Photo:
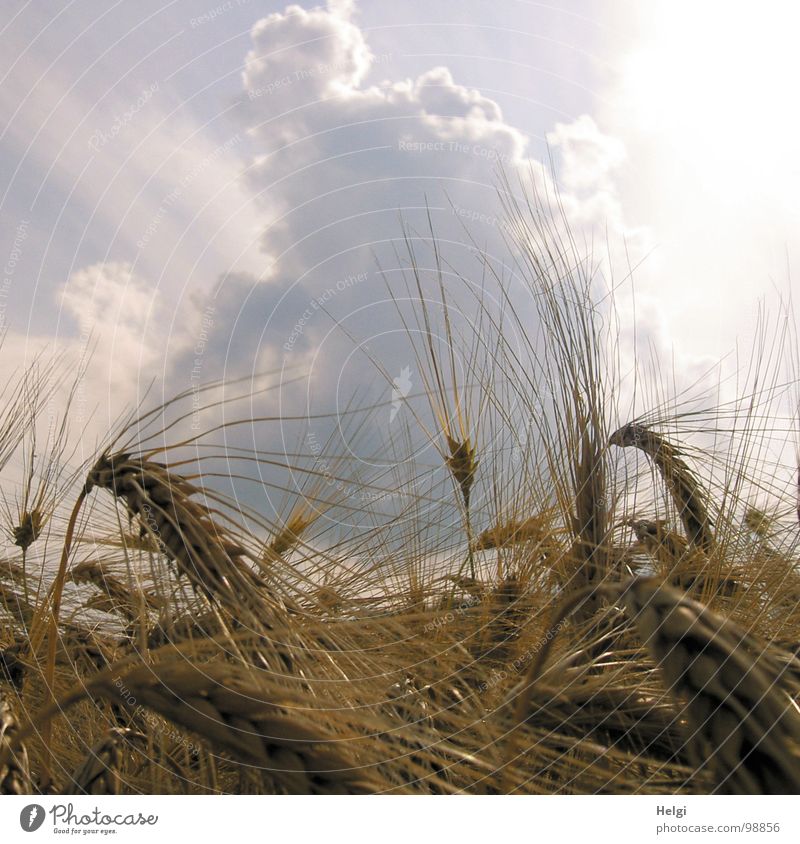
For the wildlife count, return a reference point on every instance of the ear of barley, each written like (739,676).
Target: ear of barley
(15,777)
(743,722)
(590,520)
(29,529)
(201,549)
(758,522)
(99,772)
(463,465)
(686,491)
(128,601)
(512,532)
(289,535)
(232,712)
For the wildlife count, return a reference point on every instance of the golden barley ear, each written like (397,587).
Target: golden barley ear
(230,710)
(289,535)
(15,776)
(686,491)
(201,549)
(744,724)
(463,465)
(99,773)
(29,529)
(116,596)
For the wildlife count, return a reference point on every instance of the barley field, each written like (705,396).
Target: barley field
(539,592)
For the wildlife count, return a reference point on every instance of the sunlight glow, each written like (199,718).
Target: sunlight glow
(718,81)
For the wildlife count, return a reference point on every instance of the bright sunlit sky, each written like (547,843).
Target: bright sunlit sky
(192,174)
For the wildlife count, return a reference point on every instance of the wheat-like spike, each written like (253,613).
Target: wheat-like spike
(229,710)
(512,532)
(758,522)
(201,549)
(507,618)
(684,567)
(590,520)
(15,777)
(97,574)
(462,464)
(685,489)
(28,529)
(99,772)
(289,535)
(744,723)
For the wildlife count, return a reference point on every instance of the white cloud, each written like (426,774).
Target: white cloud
(340,155)
(335,154)
(120,334)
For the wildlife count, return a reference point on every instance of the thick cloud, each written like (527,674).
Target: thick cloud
(327,165)
(342,157)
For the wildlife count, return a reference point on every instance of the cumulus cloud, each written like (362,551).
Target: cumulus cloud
(300,205)
(120,339)
(341,154)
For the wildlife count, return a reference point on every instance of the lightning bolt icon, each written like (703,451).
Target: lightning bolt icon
(34,813)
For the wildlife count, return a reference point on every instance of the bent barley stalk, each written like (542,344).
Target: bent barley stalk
(686,491)
(736,693)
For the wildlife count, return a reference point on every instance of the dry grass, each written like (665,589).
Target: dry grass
(395,632)
(15,775)
(742,719)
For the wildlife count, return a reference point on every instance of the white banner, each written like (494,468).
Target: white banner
(352,820)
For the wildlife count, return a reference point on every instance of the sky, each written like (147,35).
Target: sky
(194,190)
